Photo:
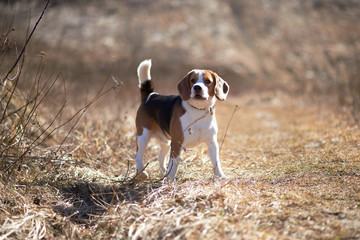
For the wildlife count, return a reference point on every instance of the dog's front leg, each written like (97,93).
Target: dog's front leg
(213,148)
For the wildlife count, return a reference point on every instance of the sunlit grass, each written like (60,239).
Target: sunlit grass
(293,173)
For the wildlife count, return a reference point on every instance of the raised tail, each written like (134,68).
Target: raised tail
(145,84)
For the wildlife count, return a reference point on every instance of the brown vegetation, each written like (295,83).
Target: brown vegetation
(291,150)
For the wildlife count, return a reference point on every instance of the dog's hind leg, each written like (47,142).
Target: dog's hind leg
(142,142)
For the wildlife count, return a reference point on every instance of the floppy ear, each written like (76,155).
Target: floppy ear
(184,87)
(221,88)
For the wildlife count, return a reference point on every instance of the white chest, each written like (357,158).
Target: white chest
(198,126)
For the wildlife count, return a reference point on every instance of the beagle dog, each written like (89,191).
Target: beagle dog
(179,121)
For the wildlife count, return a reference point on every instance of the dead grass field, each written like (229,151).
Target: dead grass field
(293,167)
(291,151)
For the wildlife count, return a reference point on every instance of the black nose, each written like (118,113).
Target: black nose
(197,88)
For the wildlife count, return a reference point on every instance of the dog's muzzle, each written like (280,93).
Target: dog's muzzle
(198,92)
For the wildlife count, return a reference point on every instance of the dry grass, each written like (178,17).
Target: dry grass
(293,166)
(293,161)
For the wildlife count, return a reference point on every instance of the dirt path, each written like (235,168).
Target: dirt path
(282,136)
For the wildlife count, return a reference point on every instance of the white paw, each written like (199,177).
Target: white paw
(142,176)
(220,175)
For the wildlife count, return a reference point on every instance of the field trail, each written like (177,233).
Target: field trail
(282,135)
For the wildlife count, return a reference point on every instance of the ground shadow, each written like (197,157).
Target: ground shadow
(85,199)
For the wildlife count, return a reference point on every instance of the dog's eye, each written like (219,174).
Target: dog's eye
(193,80)
(207,81)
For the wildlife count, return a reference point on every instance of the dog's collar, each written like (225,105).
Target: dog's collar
(208,109)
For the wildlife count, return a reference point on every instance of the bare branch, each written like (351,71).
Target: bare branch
(26,43)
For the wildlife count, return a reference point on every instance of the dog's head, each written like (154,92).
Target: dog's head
(202,87)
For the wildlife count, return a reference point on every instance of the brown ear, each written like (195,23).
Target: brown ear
(184,87)
(221,88)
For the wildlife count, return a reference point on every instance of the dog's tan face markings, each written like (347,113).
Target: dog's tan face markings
(201,88)
(198,78)
(209,81)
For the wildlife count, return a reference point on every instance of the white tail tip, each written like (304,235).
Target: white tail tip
(143,71)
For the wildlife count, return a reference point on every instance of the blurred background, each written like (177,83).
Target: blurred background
(309,47)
